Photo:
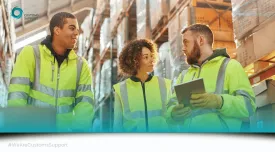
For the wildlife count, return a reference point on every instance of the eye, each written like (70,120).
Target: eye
(72,28)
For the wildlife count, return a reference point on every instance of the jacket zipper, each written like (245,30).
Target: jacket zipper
(56,91)
(52,70)
(145,106)
(201,68)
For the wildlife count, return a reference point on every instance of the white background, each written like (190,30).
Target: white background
(142,142)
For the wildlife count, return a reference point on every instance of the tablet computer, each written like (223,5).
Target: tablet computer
(184,90)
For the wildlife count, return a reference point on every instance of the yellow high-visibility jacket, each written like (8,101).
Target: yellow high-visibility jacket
(37,80)
(227,78)
(141,107)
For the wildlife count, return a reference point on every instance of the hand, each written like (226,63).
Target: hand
(179,112)
(206,100)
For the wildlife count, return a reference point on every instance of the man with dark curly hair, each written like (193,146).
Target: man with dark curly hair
(140,101)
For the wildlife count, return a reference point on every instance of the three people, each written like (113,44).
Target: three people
(140,101)
(51,75)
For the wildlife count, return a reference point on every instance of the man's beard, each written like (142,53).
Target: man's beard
(195,54)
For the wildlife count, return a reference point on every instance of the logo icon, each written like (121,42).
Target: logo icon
(17,9)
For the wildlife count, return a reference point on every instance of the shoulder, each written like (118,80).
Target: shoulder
(167,81)
(28,49)
(233,64)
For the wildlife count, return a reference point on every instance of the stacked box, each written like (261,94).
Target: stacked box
(230,47)
(245,52)
(264,41)
(245,17)
(258,45)
(217,2)
(143,25)
(158,9)
(266,9)
(220,25)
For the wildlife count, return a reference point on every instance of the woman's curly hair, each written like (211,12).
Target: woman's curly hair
(130,56)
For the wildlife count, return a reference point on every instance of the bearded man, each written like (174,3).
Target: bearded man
(229,100)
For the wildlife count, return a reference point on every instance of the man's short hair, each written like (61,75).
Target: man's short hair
(201,29)
(59,20)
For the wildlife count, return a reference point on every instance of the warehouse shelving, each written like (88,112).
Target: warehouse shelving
(264,72)
(160,33)
(108,53)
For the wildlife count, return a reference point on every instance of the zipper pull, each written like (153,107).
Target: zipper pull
(52,71)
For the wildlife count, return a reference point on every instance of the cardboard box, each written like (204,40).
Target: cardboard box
(264,92)
(264,41)
(245,18)
(266,8)
(230,47)
(245,52)
(216,2)
(220,25)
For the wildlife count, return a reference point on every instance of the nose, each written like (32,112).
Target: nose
(76,32)
(183,48)
(151,60)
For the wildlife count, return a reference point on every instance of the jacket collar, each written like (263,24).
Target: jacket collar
(135,79)
(216,55)
(47,45)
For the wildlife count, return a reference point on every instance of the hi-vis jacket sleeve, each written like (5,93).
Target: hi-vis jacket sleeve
(172,102)
(22,77)
(84,109)
(240,100)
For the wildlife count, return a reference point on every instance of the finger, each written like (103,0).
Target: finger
(201,105)
(183,111)
(197,101)
(183,115)
(178,107)
(196,96)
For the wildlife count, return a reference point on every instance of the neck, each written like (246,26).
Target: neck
(143,76)
(205,54)
(58,48)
